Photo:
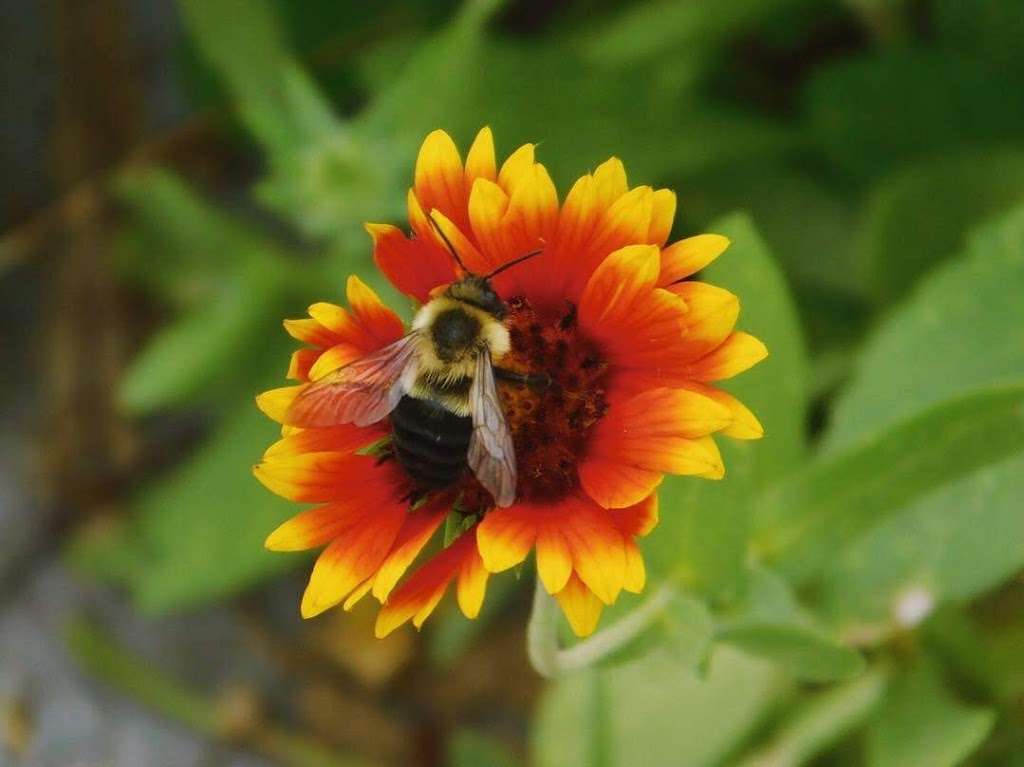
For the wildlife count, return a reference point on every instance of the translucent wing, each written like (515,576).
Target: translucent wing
(491,454)
(361,392)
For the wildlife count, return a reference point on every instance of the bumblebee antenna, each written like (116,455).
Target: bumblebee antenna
(513,262)
(448,243)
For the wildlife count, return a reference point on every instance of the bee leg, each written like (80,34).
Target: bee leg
(536,381)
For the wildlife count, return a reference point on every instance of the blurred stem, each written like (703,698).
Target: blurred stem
(822,721)
(550,661)
(102,657)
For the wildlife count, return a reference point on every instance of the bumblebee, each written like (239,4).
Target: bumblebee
(437,383)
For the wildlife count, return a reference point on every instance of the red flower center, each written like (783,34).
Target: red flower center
(551,425)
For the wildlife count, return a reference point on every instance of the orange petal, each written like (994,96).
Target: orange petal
(418,529)
(505,537)
(439,178)
(744,423)
(636,573)
(711,316)
(663,212)
(275,403)
(474,260)
(379,325)
(311,332)
(334,358)
(689,256)
(597,546)
(514,167)
(415,267)
(554,558)
(352,559)
(321,477)
(480,162)
(302,360)
(622,281)
(314,527)
(655,431)
(488,204)
(610,181)
(357,594)
(530,224)
(739,352)
(582,609)
(417,597)
(638,519)
(339,439)
(716,467)
(471,586)
(613,484)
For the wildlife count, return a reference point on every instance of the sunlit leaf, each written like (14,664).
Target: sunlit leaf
(654,712)
(809,517)
(963,328)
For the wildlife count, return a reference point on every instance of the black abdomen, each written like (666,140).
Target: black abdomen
(430,442)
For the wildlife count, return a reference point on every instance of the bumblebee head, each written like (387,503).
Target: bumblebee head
(477,291)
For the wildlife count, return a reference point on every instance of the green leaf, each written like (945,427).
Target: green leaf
(952,545)
(809,655)
(207,350)
(859,108)
(682,630)
(472,749)
(819,722)
(197,536)
(184,246)
(703,533)
(769,623)
(276,99)
(809,517)
(921,725)
(923,213)
(665,27)
(990,30)
(963,328)
(654,712)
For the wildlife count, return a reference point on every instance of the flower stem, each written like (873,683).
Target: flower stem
(550,661)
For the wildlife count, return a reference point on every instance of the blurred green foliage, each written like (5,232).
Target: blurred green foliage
(830,596)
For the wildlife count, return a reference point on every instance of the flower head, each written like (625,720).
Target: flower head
(630,349)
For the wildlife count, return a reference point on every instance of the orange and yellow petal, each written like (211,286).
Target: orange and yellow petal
(745,424)
(652,433)
(417,531)
(328,476)
(300,363)
(333,358)
(480,159)
(275,403)
(710,318)
(572,535)
(506,536)
(639,519)
(419,595)
(581,607)
(415,266)
(353,557)
(439,179)
(635,573)
(739,352)
(688,256)
(346,438)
